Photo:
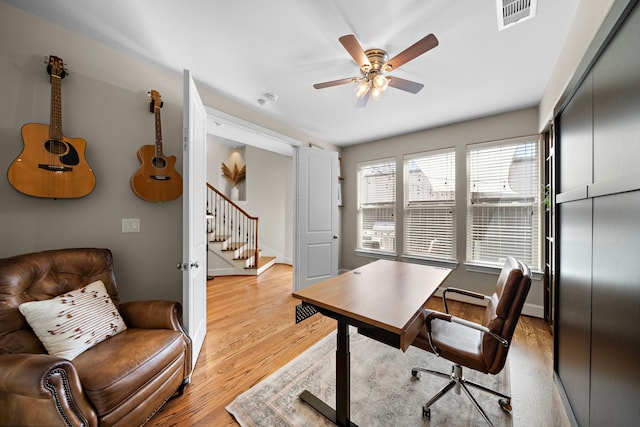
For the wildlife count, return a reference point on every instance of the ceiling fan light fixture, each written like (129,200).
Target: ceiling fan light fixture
(380,82)
(361,88)
(374,64)
(375,92)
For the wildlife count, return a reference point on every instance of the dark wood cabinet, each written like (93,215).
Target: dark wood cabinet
(597,339)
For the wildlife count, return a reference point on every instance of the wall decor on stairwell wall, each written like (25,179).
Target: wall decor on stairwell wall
(157,179)
(52,165)
(234,175)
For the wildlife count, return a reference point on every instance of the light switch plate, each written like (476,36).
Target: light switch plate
(130,225)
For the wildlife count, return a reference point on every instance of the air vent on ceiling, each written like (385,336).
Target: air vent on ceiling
(514,11)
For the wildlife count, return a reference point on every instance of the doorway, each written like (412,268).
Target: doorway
(270,192)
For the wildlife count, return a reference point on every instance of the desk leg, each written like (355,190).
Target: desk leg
(343,380)
(341,414)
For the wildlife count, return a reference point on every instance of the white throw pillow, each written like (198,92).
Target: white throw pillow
(70,324)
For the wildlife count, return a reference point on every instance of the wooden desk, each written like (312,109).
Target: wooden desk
(384,300)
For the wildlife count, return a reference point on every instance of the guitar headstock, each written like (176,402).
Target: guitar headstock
(154,100)
(55,67)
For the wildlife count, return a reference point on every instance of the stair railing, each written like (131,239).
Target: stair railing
(226,221)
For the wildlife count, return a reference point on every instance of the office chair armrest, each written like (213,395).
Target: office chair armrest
(462,292)
(430,315)
(481,328)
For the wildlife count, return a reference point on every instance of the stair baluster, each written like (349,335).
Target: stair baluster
(226,221)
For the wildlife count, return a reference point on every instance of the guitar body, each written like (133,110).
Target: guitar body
(51,167)
(157,179)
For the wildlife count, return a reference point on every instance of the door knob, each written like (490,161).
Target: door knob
(335,237)
(184,266)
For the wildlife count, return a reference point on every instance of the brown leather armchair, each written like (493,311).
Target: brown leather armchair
(479,346)
(122,380)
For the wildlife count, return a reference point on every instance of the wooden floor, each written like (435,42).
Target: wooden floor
(251,332)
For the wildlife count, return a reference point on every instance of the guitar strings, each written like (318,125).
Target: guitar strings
(55,131)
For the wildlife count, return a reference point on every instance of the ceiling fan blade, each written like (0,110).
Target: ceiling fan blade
(352,46)
(418,48)
(334,83)
(362,102)
(406,85)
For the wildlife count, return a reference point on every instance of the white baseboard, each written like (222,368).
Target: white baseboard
(213,272)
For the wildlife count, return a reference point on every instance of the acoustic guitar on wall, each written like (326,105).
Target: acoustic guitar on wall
(157,179)
(52,165)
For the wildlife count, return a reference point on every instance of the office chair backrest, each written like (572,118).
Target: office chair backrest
(503,311)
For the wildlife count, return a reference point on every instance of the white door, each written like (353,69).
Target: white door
(194,206)
(316,212)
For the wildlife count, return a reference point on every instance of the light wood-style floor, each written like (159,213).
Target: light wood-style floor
(252,332)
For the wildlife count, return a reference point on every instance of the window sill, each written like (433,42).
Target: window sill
(373,254)
(452,264)
(406,258)
(489,269)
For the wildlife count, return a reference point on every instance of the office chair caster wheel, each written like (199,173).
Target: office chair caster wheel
(426,412)
(415,373)
(505,405)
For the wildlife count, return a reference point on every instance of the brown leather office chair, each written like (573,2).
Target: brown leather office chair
(480,346)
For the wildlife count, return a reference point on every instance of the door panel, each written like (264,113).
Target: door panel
(316,211)
(574,305)
(576,141)
(194,245)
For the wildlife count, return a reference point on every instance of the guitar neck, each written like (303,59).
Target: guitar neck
(55,126)
(158,132)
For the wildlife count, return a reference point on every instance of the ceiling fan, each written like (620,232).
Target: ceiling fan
(375,64)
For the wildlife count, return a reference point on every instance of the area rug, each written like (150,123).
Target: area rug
(383,392)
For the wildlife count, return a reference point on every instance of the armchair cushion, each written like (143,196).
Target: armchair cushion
(128,361)
(75,321)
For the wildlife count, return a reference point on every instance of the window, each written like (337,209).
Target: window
(503,208)
(377,206)
(429,208)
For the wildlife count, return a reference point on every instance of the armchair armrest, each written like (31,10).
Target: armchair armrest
(38,377)
(155,314)
(462,292)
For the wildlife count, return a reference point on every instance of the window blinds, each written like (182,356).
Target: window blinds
(503,209)
(429,209)
(377,205)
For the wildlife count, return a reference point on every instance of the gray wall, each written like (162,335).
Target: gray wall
(270,198)
(504,126)
(104,101)
(115,121)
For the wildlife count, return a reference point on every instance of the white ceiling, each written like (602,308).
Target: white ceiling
(246,48)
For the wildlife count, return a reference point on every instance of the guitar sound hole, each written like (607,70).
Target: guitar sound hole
(159,162)
(56,147)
